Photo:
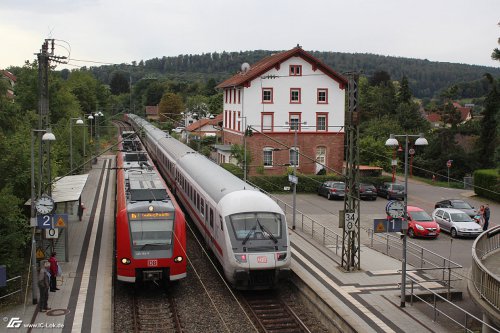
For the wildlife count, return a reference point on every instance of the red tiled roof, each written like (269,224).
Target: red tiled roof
(217,119)
(268,63)
(197,125)
(433,117)
(9,75)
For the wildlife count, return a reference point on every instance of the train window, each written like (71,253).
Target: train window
(197,201)
(221,223)
(211,218)
(202,207)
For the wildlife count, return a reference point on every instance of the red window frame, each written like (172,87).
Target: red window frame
(262,121)
(326,95)
(229,116)
(293,70)
(320,114)
(300,95)
(272,96)
(234,120)
(290,114)
(239,121)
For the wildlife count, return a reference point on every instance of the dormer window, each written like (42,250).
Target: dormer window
(295,70)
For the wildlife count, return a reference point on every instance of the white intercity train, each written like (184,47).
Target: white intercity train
(245,229)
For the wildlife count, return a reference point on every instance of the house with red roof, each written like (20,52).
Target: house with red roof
(152,112)
(289,99)
(11,79)
(465,115)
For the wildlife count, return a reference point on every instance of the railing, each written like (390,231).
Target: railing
(467,316)
(485,282)
(422,257)
(10,290)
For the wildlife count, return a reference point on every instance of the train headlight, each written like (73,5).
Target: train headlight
(125,261)
(281,256)
(178,259)
(241,258)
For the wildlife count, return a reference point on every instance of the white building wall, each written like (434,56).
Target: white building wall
(309,82)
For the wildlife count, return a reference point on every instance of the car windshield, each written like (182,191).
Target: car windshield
(368,187)
(398,187)
(461,205)
(460,217)
(421,216)
(339,186)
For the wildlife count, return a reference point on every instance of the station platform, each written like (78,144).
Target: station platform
(83,302)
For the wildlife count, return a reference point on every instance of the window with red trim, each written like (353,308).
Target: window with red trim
(321,121)
(226,93)
(295,96)
(322,96)
(267,121)
(294,121)
(295,70)
(267,95)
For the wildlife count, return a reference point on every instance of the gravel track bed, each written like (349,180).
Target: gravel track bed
(219,312)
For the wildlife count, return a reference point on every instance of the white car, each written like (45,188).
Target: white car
(456,222)
(179,129)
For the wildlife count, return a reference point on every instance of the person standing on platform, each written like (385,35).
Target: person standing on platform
(486,217)
(54,268)
(43,285)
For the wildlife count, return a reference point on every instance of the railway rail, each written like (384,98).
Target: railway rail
(155,312)
(272,314)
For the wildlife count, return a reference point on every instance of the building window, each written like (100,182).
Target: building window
(267,157)
(321,155)
(267,95)
(267,121)
(295,95)
(239,96)
(321,122)
(295,70)
(294,156)
(322,96)
(226,92)
(294,121)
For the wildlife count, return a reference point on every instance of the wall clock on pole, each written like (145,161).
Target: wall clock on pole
(44,205)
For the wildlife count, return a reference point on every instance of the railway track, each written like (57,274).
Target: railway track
(272,314)
(155,312)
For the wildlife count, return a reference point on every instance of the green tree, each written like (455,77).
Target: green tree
(404,93)
(488,139)
(198,104)
(119,83)
(496,52)
(238,152)
(215,104)
(171,106)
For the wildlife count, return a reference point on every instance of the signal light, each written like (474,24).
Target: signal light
(178,259)
(241,258)
(125,261)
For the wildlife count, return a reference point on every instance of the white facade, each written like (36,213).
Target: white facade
(248,101)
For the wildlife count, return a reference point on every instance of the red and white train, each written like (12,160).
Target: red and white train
(246,230)
(150,226)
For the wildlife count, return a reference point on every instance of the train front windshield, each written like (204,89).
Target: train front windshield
(254,226)
(152,238)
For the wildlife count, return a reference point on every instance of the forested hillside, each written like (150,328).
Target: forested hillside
(426,78)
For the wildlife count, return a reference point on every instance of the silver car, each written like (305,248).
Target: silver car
(456,222)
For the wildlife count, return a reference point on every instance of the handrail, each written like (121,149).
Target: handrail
(486,283)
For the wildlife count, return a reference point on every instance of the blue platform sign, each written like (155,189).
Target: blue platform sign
(3,276)
(384,225)
(52,221)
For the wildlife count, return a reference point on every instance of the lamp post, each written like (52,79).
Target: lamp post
(48,136)
(91,141)
(294,179)
(79,121)
(393,142)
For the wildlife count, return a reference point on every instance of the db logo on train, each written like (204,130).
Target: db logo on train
(152,263)
(262,260)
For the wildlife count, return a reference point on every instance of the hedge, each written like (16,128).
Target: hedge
(487,184)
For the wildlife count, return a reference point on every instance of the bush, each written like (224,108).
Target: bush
(487,184)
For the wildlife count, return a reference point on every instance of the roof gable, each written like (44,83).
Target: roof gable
(266,64)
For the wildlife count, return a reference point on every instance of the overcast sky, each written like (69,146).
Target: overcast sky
(459,31)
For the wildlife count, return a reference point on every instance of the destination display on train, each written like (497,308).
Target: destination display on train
(148,216)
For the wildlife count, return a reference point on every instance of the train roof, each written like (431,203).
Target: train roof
(214,179)
(146,186)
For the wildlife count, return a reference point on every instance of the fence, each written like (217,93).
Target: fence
(10,289)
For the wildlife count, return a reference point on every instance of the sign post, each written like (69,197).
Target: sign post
(448,165)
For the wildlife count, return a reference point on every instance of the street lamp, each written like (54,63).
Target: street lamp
(79,121)
(47,136)
(294,179)
(393,142)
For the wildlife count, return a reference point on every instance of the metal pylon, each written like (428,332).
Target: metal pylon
(350,236)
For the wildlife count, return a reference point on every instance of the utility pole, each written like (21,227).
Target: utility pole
(349,217)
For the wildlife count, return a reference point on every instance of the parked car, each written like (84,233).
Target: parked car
(456,222)
(391,191)
(367,191)
(421,224)
(332,190)
(179,129)
(459,204)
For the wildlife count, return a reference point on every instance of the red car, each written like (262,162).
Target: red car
(421,224)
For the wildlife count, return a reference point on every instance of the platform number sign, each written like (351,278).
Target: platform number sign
(350,221)
(44,221)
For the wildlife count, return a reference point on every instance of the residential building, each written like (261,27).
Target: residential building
(152,112)
(287,94)
(11,81)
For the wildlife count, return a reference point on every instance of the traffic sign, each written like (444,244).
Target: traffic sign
(448,163)
(293,179)
(60,220)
